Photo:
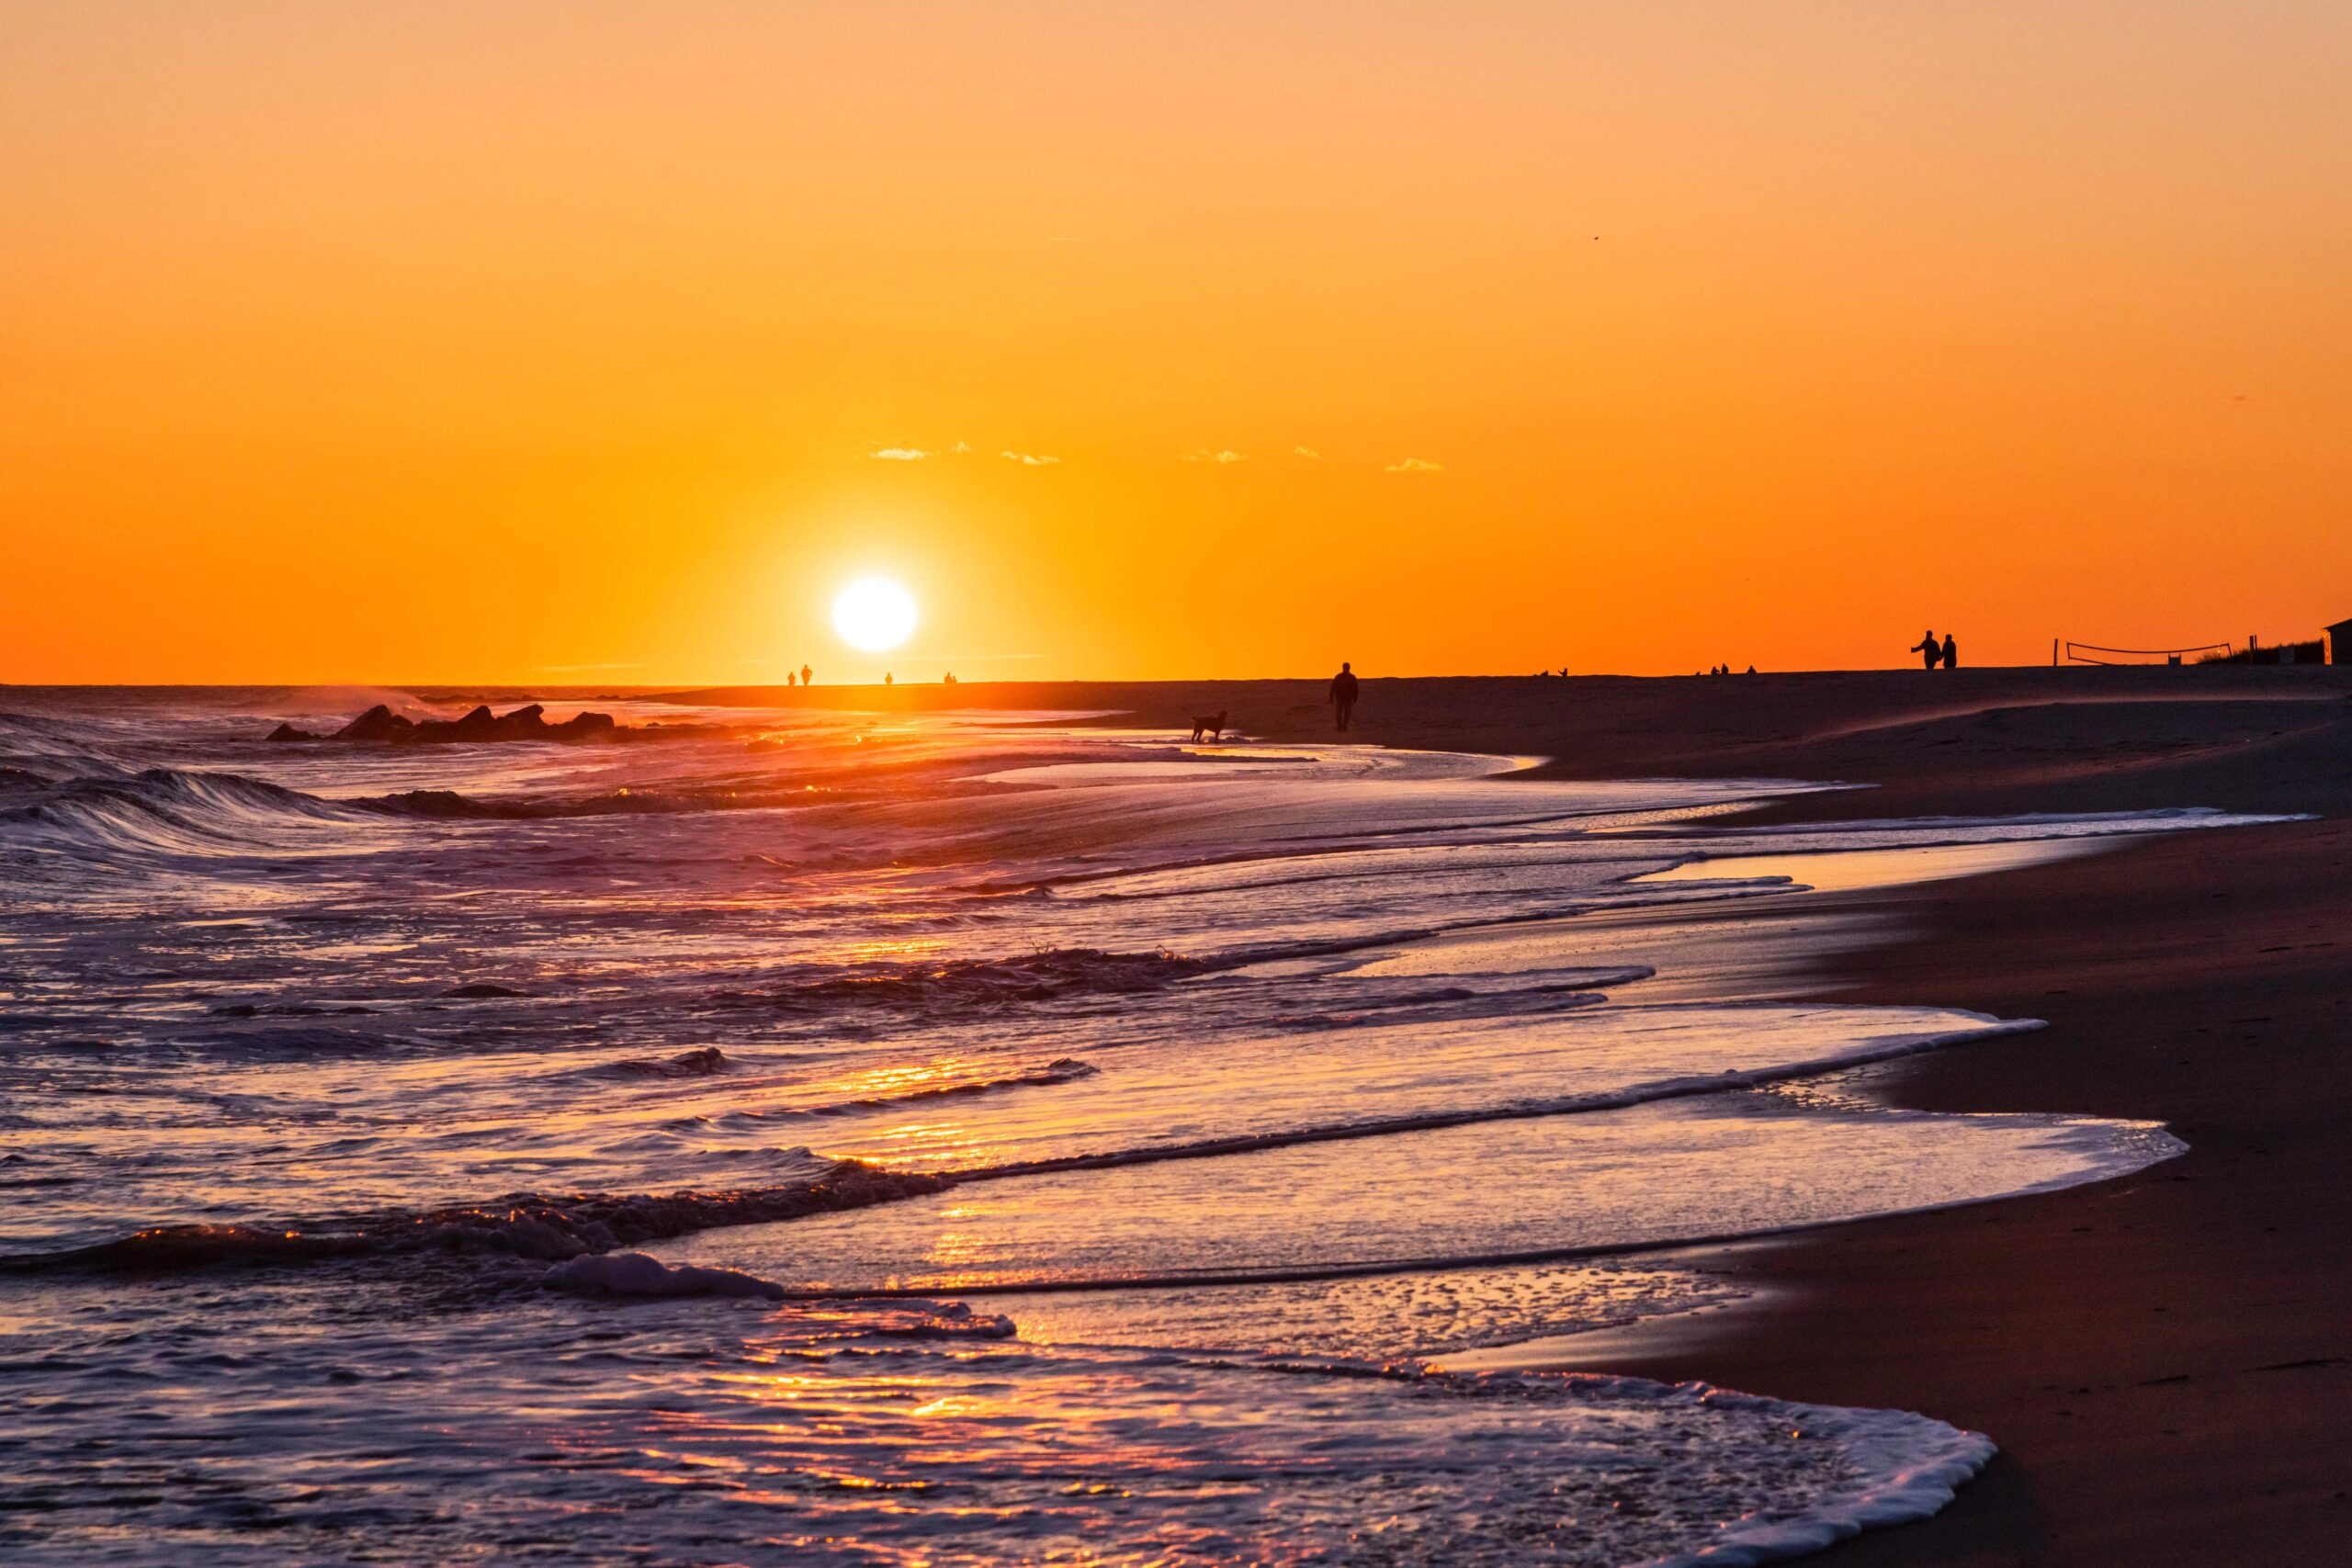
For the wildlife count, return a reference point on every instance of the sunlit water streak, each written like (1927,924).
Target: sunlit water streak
(313,1058)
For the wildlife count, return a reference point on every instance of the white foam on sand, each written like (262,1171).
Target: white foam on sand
(1901,1467)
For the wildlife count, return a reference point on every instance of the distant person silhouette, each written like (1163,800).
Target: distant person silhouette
(1343,694)
(804,675)
(1951,652)
(790,679)
(1929,647)
(887,678)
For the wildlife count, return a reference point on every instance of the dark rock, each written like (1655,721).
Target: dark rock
(694,1064)
(481,726)
(378,722)
(482,991)
(523,724)
(432,802)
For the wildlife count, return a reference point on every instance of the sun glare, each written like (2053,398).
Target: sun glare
(874,614)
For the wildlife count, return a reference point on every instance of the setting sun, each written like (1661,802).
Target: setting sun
(874,614)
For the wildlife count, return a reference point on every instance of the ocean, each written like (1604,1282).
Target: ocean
(816,1138)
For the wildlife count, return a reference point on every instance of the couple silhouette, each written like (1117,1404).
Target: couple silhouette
(1947,653)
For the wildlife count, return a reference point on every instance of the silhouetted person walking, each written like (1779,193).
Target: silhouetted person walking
(1929,647)
(1343,694)
(804,675)
(1951,652)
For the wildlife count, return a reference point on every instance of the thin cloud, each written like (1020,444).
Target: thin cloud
(1417,465)
(1029,459)
(1306,452)
(918,454)
(1202,455)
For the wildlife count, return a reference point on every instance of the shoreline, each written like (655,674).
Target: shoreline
(2163,1358)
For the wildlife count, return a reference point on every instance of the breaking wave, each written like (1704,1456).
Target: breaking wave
(695,1063)
(526,1226)
(1050,974)
(989,982)
(447,804)
(635,1274)
(638,1275)
(163,811)
(1062,1069)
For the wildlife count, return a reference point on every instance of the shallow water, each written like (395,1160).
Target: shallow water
(1258,1072)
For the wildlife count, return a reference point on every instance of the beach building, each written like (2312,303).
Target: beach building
(2339,643)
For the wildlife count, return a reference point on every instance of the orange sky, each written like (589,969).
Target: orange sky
(552,342)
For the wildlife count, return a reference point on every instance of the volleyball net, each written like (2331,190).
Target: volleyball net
(2092,653)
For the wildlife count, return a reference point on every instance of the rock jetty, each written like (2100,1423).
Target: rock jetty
(380,723)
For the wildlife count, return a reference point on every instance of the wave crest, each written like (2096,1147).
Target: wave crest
(1061,1069)
(163,810)
(983,982)
(553,1227)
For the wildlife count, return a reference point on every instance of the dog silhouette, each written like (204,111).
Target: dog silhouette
(1213,726)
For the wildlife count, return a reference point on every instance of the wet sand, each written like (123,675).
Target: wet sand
(2166,1360)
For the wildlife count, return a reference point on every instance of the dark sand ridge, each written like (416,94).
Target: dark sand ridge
(2165,1360)
(1973,740)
